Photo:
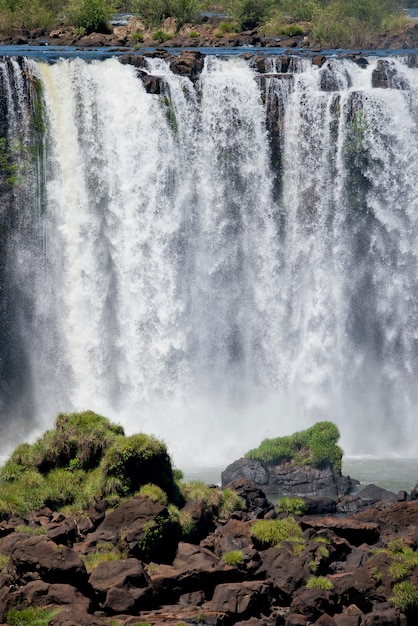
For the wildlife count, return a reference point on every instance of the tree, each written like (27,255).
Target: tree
(92,15)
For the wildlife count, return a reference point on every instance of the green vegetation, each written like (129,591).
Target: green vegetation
(221,502)
(403,560)
(315,446)
(104,552)
(405,596)
(336,23)
(91,15)
(319,582)
(234,557)
(85,457)
(272,533)
(30,616)
(291,506)
(161,36)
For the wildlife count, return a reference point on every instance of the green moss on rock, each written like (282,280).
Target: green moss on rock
(315,446)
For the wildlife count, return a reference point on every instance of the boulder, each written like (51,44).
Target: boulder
(74,617)
(144,527)
(190,63)
(289,479)
(40,594)
(126,573)
(253,496)
(246,599)
(40,558)
(355,531)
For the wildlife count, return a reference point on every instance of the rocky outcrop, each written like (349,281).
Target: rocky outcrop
(354,560)
(288,479)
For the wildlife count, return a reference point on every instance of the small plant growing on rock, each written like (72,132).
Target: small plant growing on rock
(405,596)
(161,36)
(31,616)
(319,582)
(234,557)
(271,533)
(291,506)
(154,492)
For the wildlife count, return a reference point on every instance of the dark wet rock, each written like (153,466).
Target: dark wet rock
(355,531)
(288,479)
(365,498)
(386,76)
(40,558)
(189,63)
(246,599)
(253,497)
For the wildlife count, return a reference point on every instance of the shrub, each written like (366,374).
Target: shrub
(161,36)
(93,15)
(315,446)
(319,582)
(248,13)
(138,36)
(271,533)
(193,34)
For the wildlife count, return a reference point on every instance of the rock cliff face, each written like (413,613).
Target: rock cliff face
(288,479)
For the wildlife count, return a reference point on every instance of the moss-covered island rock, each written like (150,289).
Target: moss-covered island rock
(307,463)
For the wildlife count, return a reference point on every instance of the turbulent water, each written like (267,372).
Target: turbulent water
(229,260)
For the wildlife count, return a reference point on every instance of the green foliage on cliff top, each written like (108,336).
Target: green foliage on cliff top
(315,446)
(85,457)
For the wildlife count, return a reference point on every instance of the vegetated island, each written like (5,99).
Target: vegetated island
(98,529)
(346,24)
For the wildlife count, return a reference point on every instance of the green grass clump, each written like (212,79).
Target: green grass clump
(272,533)
(315,446)
(405,596)
(234,557)
(154,492)
(293,506)
(319,582)
(221,502)
(104,552)
(161,36)
(31,616)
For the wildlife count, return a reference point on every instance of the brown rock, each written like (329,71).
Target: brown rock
(73,617)
(247,599)
(126,573)
(354,530)
(189,63)
(39,557)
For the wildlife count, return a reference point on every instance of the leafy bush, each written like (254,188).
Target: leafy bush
(18,14)
(319,582)
(315,446)
(248,13)
(93,15)
(271,533)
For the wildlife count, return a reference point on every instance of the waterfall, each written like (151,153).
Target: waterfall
(230,259)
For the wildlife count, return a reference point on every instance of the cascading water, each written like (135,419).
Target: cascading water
(225,261)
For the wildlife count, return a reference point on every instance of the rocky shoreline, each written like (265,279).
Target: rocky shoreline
(364,557)
(206,34)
